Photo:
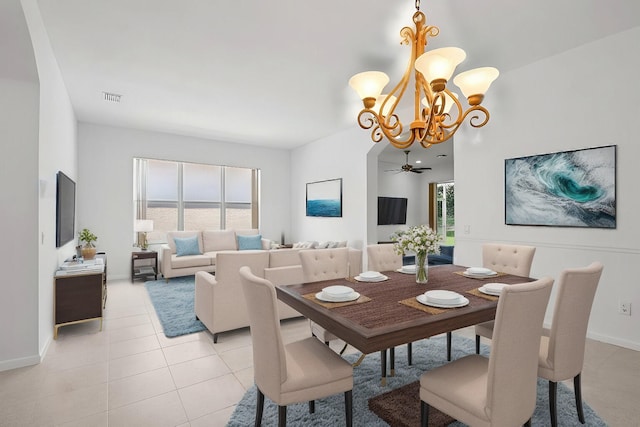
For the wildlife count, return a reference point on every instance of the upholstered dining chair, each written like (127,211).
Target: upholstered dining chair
(326,264)
(383,257)
(562,346)
(510,259)
(301,371)
(499,390)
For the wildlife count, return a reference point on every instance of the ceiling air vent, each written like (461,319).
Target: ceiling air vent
(111,97)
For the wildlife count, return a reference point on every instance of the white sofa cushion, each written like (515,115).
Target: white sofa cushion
(219,240)
(190,261)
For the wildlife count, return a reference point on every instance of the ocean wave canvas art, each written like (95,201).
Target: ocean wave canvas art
(567,189)
(324,198)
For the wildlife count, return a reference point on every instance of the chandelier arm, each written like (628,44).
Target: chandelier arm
(473,119)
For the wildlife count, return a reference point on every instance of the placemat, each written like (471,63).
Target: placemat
(312,297)
(413,303)
(477,293)
(461,273)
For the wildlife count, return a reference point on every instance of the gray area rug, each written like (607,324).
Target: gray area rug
(174,304)
(427,354)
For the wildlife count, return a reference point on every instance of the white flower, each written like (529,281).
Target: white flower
(418,238)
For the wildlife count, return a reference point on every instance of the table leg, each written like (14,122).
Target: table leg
(383,367)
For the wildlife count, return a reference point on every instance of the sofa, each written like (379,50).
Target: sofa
(182,259)
(219,301)
(444,257)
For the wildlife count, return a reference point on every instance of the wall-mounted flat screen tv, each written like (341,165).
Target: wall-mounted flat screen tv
(65,209)
(392,210)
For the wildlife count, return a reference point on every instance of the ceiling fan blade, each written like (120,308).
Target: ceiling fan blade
(421,169)
(415,171)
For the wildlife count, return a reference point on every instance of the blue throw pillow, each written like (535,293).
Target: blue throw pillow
(249,242)
(187,246)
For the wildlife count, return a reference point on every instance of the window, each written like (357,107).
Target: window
(445,221)
(194,196)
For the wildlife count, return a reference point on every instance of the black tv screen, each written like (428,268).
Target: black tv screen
(392,210)
(65,209)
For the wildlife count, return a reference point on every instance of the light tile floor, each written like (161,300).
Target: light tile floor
(131,374)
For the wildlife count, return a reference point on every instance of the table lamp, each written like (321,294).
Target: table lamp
(142,226)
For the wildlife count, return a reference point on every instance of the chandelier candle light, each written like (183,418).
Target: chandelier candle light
(421,240)
(432,70)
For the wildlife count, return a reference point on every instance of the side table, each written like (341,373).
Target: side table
(144,269)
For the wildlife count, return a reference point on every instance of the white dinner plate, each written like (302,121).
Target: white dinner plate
(481,289)
(479,270)
(422,299)
(479,276)
(441,296)
(370,274)
(405,270)
(382,278)
(337,291)
(327,298)
(495,288)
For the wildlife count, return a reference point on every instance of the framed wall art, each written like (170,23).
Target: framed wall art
(566,189)
(324,198)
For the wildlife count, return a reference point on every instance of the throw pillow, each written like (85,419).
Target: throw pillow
(187,246)
(249,242)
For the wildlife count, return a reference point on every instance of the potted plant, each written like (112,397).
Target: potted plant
(88,249)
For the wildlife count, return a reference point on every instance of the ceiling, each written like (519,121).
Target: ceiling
(275,73)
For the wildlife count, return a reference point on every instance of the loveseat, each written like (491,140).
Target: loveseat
(188,252)
(219,301)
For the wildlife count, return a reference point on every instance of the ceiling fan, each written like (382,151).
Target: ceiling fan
(407,167)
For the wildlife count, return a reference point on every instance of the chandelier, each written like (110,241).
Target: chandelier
(433,100)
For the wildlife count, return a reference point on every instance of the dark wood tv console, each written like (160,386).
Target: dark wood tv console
(79,295)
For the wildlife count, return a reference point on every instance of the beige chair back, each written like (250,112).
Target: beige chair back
(383,257)
(512,375)
(269,359)
(576,290)
(510,259)
(324,264)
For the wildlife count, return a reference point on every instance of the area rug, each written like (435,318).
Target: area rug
(427,354)
(174,305)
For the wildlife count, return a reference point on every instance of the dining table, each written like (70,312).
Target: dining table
(387,312)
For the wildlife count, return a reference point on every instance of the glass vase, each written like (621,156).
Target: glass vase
(422,268)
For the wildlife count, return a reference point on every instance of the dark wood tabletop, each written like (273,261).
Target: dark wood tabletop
(383,322)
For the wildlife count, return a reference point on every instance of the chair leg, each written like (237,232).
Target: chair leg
(215,338)
(282,416)
(578,392)
(552,403)
(528,423)
(344,348)
(424,413)
(409,354)
(449,336)
(477,344)
(259,407)
(312,406)
(326,343)
(348,407)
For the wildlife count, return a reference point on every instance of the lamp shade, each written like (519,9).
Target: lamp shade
(476,81)
(448,102)
(369,84)
(439,63)
(143,225)
(380,99)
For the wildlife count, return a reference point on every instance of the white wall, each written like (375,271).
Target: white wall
(19,225)
(585,97)
(39,128)
(105,182)
(343,155)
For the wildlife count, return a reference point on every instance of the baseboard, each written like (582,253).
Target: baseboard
(615,341)
(6,365)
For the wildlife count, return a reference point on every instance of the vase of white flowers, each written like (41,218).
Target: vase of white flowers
(421,240)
